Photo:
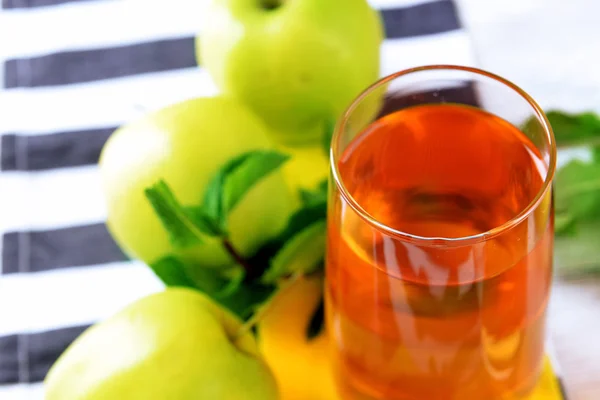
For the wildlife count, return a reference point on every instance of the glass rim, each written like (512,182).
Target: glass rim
(442,241)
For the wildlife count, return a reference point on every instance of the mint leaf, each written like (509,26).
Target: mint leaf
(577,191)
(233,293)
(575,129)
(564,223)
(238,296)
(318,195)
(578,253)
(235,179)
(304,217)
(256,166)
(171,271)
(577,218)
(303,253)
(596,154)
(250,296)
(185,229)
(201,219)
(214,198)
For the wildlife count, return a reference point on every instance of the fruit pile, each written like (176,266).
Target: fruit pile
(224,198)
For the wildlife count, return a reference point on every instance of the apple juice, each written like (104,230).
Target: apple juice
(424,310)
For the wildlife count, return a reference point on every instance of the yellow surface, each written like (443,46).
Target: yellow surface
(301,367)
(548,387)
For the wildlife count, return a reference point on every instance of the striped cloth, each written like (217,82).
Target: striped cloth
(72,72)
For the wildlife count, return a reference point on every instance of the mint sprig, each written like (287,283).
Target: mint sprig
(186,227)
(577,195)
(298,249)
(574,130)
(191,225)
(235,179)
(232,292)
(303,253)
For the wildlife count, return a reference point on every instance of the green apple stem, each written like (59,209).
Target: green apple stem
(271,4)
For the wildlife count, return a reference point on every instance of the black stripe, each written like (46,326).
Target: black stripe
(56,150)
(421,19)
(90,65)
(60,248)
(35,3)
(9,362)
(77,148)
(41,349)
(466,94)
(164,55)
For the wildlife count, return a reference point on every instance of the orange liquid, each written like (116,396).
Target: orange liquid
(425,321)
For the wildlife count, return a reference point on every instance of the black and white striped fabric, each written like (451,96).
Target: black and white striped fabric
(73,71)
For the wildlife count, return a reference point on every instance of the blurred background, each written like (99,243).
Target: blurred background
(545,47)
(548,47)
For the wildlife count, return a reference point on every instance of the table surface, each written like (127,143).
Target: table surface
(545,46)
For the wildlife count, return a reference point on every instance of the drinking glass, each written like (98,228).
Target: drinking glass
(440,238)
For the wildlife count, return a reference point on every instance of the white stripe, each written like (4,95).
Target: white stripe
(101,103)
(382,4)
(22,392)
(114,101)
(50,199)
(96,24)
(109,23)
(72,296)
(444,48)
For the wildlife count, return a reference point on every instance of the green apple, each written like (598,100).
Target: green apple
(296,63)
(175,345)
(185,144)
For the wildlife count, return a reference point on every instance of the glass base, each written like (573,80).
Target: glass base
(548,387)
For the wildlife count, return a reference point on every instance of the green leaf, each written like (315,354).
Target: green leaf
(201,219)
(184,228)
(214,198)
(257,165)
(575,129)
(596,154)
(579,253)
(235,179)
(564,223)
(317,321)
(303,253)
(249,297)
(577,190)
(233,293)
(172,272)
(318,195)
(238,296)
(303,218)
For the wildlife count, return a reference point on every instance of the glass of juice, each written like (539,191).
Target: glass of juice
(440,238)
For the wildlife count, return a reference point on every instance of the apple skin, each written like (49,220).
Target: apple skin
(298,65)
(308,166)
(185,144)
(175,344)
